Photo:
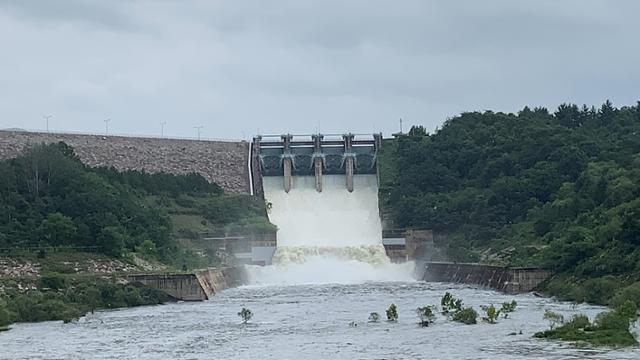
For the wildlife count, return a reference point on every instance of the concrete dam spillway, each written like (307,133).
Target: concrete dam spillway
(333,222)
(323,197)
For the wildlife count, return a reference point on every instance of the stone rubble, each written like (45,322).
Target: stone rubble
(14,268)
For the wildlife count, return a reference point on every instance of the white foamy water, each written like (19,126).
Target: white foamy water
(329,270)
(333,236)
(333,217)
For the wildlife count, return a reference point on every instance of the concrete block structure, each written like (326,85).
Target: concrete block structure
(313,155)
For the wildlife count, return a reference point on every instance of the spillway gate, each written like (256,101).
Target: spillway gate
(313,155)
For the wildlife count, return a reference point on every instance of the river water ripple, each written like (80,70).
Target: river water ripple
(304,322)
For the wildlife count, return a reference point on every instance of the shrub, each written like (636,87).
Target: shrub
(553,318)
(426,315)
(619,318)
(374,317)
(631,292)
(577,322)
(5,316)
(246,315)
(466,316)
(392,313)
(147,249)
(450,304)
(508,307)
(491,314)
(599,290)
(52,281)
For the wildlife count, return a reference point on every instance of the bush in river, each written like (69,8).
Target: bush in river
(466,316)
(508,307)
(246,315)
(392,313)
(374,317)
(450,304)
(426,315)
(553,318)
(610,328)
(491,314)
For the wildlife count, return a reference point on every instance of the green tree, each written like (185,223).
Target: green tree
(57,229)
(426,315)
(491,314)
(553,318)
(245,314)
(450,304)
(466,316)
(112,240)
(508,307)
(147,249)
(392,313)
(374,317)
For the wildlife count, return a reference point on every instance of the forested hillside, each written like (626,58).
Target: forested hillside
(559,190)
(49,198)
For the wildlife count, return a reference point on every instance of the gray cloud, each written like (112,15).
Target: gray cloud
(239,66)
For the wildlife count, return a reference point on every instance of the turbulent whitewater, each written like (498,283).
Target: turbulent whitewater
(333,236)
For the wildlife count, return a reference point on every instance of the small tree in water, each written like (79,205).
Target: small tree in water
(450,304)
(491,314)
(374,317)
(245,314)
(466,316)
(553,318)
(508,308)
(392,313)
(426,315)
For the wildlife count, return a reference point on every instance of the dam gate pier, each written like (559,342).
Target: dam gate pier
(313,155)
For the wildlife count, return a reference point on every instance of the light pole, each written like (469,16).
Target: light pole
(106,126)
(46,118)
(162,124)
(198,128)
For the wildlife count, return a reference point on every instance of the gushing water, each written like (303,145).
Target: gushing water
(329,270)
(333,236)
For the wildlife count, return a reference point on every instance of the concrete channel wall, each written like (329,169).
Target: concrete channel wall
(222,162)
(197,286)
(510,280)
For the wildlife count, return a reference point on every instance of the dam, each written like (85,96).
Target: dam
(321,190)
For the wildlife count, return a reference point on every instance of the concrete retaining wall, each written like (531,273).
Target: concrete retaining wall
(198,286)
(214,280)
(223,162)
(511,280)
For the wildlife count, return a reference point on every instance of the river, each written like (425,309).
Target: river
(305,322)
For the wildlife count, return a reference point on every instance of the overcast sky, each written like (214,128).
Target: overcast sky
(238,67)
